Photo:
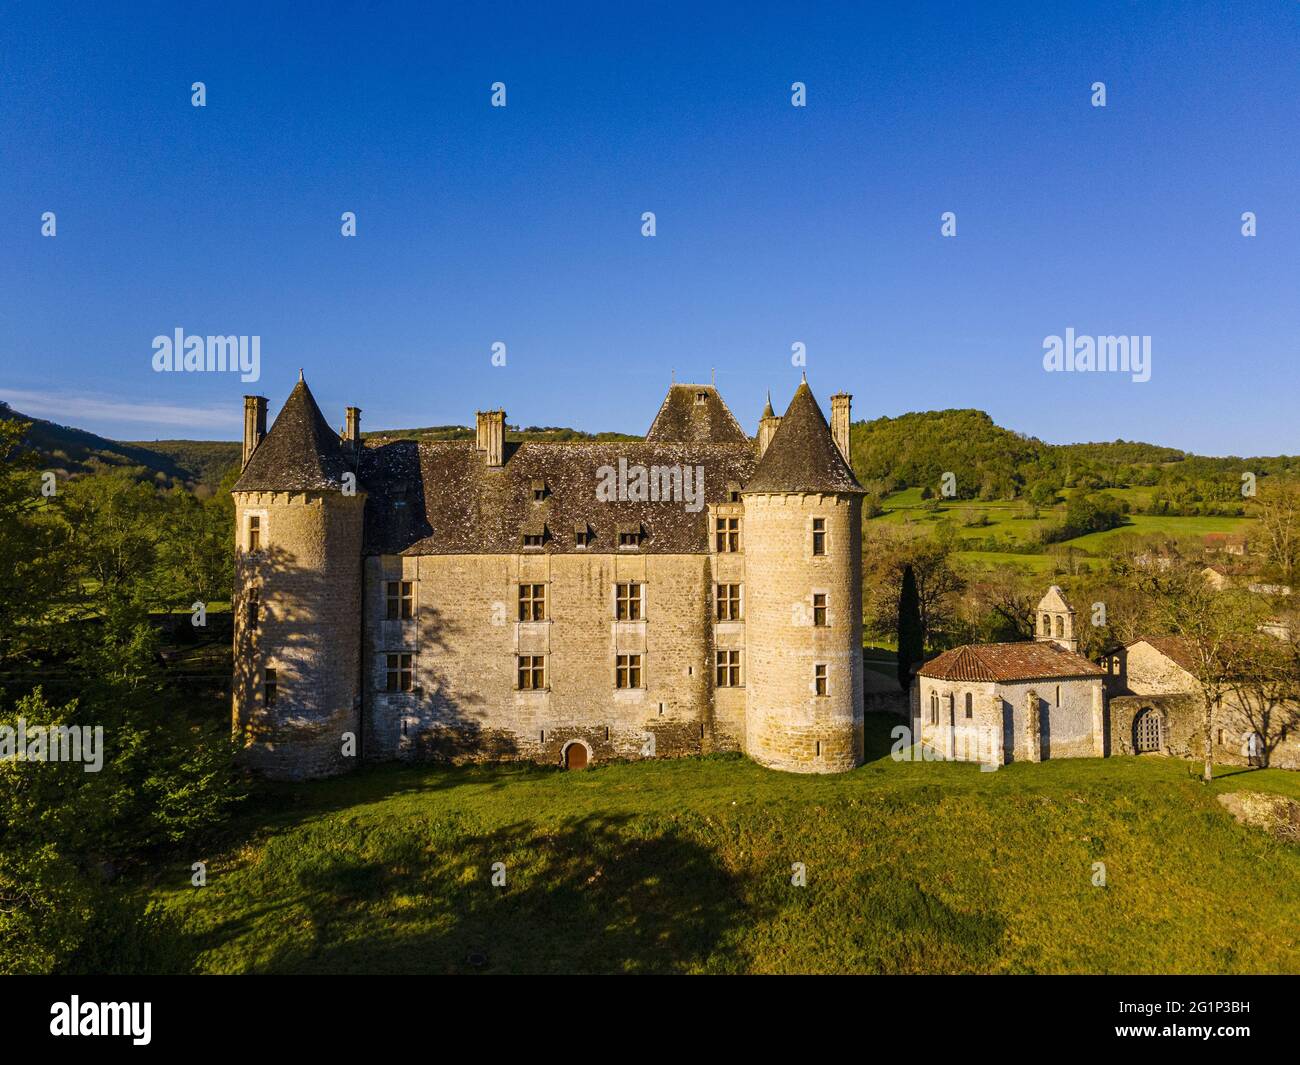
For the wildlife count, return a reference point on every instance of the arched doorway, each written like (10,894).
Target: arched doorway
(575,756)
(1148,732)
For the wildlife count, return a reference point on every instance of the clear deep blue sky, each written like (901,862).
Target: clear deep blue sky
(775,224)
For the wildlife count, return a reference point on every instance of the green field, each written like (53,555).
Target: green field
(685,866)
(1008,520)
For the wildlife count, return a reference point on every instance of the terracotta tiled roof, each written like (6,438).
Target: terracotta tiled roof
(802,456)
(695,413)
(1026,660)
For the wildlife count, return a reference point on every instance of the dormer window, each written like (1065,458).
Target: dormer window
(582,535)
(733,492)
(540,491)
(701,398)
(534,535)
(630,536)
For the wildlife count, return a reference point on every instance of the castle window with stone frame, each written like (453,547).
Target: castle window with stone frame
(254,539)
(819,536)
(399,600)
(532,602)
(627,671)
(727,669)
(970,705)
(819,610)
(253,608)
(727,602)
(629,601)
(270,687)
(726,535)
(399,672)
(531,672)
(934,708)
(821,684)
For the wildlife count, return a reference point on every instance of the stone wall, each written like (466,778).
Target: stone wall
(467,634)
(787,725)
(307,577)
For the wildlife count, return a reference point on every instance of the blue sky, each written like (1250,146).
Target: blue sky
(775,224)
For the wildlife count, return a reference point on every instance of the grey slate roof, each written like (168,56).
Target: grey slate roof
(802,456)
(695,413)
(441,497)
(301,452)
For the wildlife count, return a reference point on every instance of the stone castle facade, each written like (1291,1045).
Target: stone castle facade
(695,591)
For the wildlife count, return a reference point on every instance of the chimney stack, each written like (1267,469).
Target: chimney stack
(840,403)
(352,429)
(492,436)
(254,424)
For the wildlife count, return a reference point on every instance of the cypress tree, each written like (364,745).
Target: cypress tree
(911,642)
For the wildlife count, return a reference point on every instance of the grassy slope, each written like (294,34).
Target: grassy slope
(1005,520)
(686,865)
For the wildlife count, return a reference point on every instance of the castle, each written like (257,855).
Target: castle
(698,590)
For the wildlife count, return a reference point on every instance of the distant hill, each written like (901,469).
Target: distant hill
(62,447)
(990,462)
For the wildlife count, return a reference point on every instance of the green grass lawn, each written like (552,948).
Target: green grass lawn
(685,866)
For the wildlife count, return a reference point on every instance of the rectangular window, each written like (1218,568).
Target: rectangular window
(399,673)
(534,539)
(582,536)
(270,689)
(400,600)
(254,532)
(819,536)
(627,671)
(820,686)
(727,535)
(727,599)
(254,608)
(727,669)
(532,602)
(627,601)
(532,672)
(819,609)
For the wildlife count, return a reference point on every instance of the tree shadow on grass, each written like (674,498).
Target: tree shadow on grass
(587,895)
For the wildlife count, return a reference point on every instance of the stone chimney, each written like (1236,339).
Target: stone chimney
(492,436)
(254,425)
(840,403)
(767,426)
(352,430)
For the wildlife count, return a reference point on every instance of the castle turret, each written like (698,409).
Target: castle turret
(298,514)
(803,588)
(767,427)
(1055,620)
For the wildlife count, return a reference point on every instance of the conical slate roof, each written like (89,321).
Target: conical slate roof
(301,453)
(802,456)
(695,414)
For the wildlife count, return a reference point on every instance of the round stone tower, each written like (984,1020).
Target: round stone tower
(297,602)
(803,598)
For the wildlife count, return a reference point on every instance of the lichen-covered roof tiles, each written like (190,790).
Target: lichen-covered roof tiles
(301,453)
(802,456)
(441,497)
(695,413)
(1027,660)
